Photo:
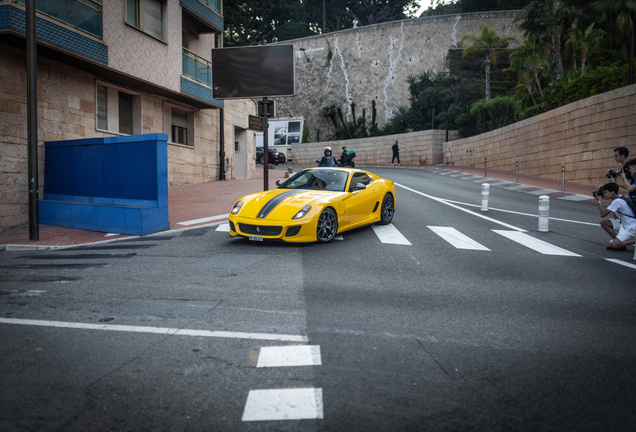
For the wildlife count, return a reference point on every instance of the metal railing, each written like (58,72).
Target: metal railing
(85,15)
(196,67)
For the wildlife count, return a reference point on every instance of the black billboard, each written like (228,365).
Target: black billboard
(253,72)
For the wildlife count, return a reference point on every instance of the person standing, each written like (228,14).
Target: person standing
(396,153)
(355,21)
(621,155)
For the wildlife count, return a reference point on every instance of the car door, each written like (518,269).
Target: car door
(360,203)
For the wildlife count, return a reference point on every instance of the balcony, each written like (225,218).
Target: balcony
(196,67)
(84,15)
(208,14)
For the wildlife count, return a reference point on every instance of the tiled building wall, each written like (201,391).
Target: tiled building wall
(66,110)
(582,135)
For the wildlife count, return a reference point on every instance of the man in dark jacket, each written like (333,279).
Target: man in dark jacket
(396,153)
(328,160)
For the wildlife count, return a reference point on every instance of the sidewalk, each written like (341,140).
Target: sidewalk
(209,203)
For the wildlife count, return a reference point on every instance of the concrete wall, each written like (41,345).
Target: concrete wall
(66,111)
(416,149)
(582,135)
(374,62)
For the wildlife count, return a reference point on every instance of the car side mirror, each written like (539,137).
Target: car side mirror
(359,186)
(278,183)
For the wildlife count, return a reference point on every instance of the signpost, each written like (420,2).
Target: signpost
(254,72)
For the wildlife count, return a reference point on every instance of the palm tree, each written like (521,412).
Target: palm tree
(621,14)
(529,52)
(486,41)
(584,41)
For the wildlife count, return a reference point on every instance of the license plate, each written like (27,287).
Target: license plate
(256,238)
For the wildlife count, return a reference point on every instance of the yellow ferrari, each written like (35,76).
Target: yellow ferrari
(314,205)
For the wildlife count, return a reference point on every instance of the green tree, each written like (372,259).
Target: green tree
(584,41)
(485,41)
(248,22)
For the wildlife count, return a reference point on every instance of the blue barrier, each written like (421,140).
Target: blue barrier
(117,185)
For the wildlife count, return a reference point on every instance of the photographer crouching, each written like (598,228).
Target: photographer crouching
(623,228)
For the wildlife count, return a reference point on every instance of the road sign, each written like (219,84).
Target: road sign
(255,123)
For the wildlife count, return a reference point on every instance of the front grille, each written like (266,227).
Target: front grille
(260,230)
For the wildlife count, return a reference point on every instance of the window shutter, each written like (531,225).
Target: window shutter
(102,108)
(179,118)
(125,113)
(152,18)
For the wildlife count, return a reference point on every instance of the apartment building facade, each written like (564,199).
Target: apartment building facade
(119,67)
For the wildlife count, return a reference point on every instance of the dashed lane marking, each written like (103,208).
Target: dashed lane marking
(293,355)
(457,239)
(535,244)
(224,227)
(390,234)
(623,263)
(157,330)
(284,404)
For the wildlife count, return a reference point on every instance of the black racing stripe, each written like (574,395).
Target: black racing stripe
(269,206)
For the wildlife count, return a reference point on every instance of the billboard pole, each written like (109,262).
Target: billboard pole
(265,148)
(32,123)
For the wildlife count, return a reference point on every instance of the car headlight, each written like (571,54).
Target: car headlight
(303,211)
(237,207)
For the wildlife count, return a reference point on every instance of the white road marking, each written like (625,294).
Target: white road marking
(156,330)
(390,234)
(520,213)
(283,404)
(441,200)
(111,234)
(540,246)
(224,227)
(207,219)
(457,239)
(293,355)
(339,237)
(621,262)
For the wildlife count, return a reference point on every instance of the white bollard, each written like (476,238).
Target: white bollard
(485,191)
(544,212)
(634,252)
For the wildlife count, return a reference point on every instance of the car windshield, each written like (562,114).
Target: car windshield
(320,179)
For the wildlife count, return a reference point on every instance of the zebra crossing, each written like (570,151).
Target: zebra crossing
(285,403)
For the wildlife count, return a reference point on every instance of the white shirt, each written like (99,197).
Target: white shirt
(623,212)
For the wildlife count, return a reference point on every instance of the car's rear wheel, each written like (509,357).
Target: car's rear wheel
(327,226)
(260,161)
(387,210)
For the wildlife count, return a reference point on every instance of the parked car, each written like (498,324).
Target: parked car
(274,156)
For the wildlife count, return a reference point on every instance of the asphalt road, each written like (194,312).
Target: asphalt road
(420,336)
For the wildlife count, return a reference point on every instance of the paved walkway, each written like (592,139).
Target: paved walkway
(209,203)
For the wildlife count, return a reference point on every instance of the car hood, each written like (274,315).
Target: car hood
(283,204)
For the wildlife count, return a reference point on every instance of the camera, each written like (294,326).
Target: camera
(611,174)
(600,192)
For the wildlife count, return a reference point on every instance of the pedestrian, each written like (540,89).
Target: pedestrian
(396,153)
(355,21)
(274,39)
(621,155)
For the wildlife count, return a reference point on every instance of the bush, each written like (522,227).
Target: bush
(599,80)
(500,112)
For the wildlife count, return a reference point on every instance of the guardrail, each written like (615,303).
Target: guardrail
(196,67)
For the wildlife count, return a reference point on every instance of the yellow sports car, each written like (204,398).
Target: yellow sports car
(314,205)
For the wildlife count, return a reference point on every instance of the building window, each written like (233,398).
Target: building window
(179,125)
(117,111)
(148,16)
(83,14)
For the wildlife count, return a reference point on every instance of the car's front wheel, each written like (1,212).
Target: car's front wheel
(387,211)
(327,226)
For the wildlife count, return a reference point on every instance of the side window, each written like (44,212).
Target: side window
(359,178)
(148,16)
(179,125)
(117,111)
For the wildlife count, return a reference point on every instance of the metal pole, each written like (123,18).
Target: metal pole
(317,135)
(485,167)
(485,191)
(32,123)
(461,164)
(433,120)
(563,177)
(265,148)
(447,130)
(221,146)
(517,175)
(631,62)
(484,119)
(544,212)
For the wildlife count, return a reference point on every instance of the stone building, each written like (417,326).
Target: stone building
(112,68)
